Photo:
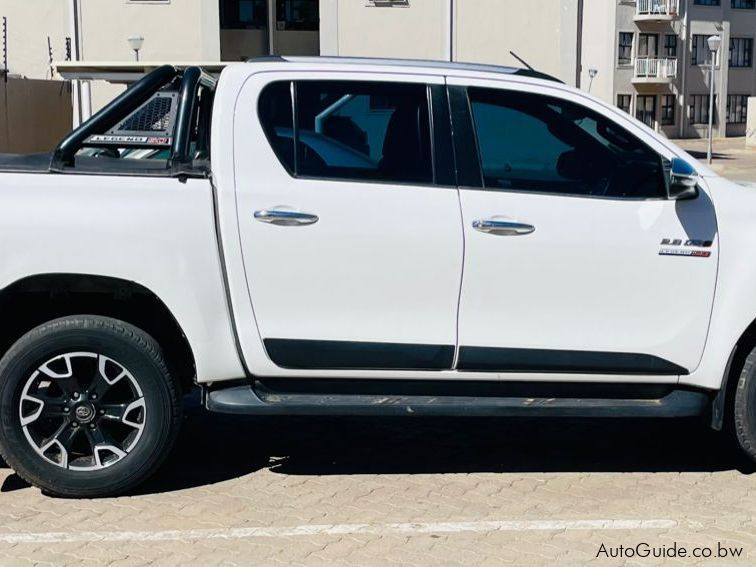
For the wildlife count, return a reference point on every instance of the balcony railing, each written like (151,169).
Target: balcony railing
(658,7)
(651,68)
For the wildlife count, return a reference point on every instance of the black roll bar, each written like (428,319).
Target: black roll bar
(109,116)
(193,78)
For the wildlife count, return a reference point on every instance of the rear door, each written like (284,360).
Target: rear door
(351,237)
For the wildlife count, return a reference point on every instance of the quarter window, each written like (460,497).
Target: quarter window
(542,144)
(350,130)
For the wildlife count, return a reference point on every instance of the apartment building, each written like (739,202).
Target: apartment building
(653,61)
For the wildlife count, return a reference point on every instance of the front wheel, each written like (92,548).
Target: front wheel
(87,407)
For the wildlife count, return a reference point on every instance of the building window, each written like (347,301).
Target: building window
(744,4)
(669,102)
(645,109)
(699,109)
(737,109)
(706,2)
(625,53)
(300,15)
(624,101)
(741,52)
(670,45)
(243,14)
(648,45)
(701,52)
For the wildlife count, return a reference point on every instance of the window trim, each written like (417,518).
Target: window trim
(296,175)
(620,62)
(662,120)
(468,123)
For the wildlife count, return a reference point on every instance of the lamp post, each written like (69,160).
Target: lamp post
(715,42)
(135,43)
(592,74)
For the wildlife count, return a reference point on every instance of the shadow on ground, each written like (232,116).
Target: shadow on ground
(214,448)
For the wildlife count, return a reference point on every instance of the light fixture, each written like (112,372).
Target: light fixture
(135,43)
(715,42)
(592,74)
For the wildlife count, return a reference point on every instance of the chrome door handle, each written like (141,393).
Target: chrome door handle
(503,227)
(285,218)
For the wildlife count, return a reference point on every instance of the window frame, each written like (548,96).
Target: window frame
(704,109)
(664,120)
(743,99)
(629,98)
(227,23)
(464,122)
(745,55)
(743,4)
(440,135)
(620,46)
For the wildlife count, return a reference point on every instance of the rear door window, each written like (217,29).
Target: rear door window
(366,131)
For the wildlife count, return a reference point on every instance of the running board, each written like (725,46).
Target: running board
(247,400)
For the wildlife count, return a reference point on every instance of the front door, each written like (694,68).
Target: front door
(352,248)
(575,262)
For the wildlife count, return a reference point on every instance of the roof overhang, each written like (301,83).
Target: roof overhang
(126,72)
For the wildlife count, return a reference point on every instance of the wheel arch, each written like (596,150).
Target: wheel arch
(726,394)
(36,299)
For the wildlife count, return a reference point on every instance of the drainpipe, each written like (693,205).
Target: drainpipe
(271,26)
(450,16)
(683,55)
(75,85)
(82,95)
(579,68)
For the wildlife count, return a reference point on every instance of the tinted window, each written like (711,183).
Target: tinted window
(349,130)
(542,144)
(277,120)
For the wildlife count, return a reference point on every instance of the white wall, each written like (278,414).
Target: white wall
(600,47)
(30,22)
(414,32)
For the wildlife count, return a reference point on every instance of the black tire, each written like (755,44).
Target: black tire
(122,361)
(744,407)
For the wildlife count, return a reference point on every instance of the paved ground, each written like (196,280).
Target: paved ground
(410,491)
(731,157)
(403,491)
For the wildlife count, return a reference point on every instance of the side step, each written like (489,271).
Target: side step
(260,401)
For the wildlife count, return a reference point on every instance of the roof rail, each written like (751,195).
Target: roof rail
(432,64)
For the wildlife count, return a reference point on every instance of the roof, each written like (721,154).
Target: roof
(424,63)
(126,72)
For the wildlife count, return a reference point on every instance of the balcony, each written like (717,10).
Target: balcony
(650,70)
(657,10)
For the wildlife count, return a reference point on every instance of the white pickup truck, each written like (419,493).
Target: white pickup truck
(345,236)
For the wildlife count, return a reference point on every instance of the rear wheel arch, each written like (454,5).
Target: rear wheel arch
(40,298)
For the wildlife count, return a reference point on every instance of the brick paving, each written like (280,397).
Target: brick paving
(363,476)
